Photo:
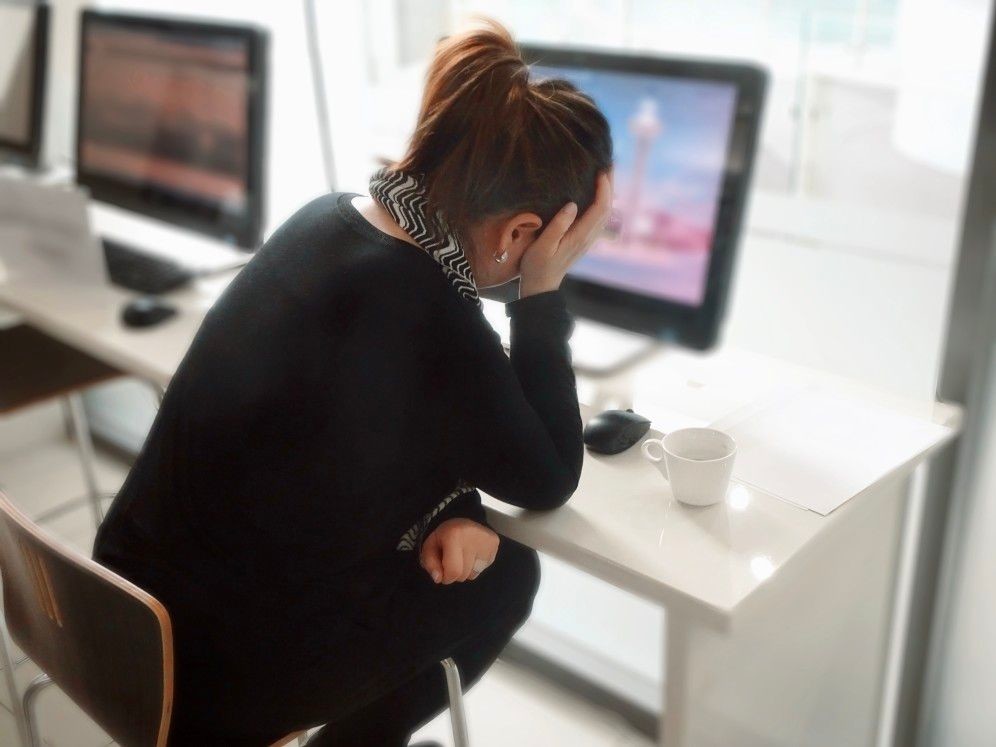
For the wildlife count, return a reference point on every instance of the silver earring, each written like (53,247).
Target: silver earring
(501,258)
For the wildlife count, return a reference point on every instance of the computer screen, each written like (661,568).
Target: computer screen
(22,79)
(670,138)
(170,121)
(684,135)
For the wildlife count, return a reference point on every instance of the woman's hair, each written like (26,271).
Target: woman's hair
(490,141)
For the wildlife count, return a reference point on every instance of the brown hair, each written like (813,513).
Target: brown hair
(490,141)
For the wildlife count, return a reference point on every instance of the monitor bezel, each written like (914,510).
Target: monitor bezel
(29,153)
(245,231)
(691,326)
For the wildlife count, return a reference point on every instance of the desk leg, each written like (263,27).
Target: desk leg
(676,696)
(803,662)
(81,430)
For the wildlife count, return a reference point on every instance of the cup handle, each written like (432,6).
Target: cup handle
(658,460)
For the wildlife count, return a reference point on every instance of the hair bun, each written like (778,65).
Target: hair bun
(487,140)
(489,36)
(483,58)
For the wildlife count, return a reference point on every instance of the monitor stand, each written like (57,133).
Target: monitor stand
(600,350)
(44,174)
(597,350)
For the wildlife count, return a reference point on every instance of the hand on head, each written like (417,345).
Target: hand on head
(564,241)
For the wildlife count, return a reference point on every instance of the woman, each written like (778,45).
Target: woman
(305,504)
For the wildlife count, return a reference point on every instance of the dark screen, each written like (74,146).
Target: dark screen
(17,73)
(167,110)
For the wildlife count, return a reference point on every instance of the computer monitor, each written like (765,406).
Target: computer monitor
(23,56)
(170,121)
(684,135)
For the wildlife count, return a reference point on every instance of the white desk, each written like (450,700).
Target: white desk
(777,618)
(88,317)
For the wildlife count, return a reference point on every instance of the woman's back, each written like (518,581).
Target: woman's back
(304,432)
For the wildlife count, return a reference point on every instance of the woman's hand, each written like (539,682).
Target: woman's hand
(451,551)
(563,242)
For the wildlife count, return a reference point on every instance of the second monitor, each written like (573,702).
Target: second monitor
(170,121)
(23,58)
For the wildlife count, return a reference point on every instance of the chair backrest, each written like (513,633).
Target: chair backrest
(106,643)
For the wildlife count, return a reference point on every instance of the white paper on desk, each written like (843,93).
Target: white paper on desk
(45,231)
(817,450)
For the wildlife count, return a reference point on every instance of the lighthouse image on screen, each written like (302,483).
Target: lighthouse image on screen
(670,139)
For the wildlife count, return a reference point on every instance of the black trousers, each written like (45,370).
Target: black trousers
(392,689)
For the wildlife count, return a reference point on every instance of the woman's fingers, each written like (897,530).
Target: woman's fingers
(556,228)
(469,556)
(588,226)
(565,239)
(431,559)
(456,550)
(481,565)
(452,560)
(564,226)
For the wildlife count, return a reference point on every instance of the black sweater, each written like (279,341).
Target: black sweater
(334,394)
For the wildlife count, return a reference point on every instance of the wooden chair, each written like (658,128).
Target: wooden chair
(37,368)
(107,644)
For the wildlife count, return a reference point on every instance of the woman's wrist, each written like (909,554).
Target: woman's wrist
(527,288)
(542,316)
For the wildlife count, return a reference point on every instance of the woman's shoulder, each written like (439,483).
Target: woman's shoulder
(329,254)
(327,238)
(313,222)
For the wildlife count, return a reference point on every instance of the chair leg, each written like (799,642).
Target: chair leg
(7,660)
(38,684)
(458,717)
(81,432)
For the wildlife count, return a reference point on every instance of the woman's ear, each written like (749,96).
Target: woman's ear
(498,246)
(518,232)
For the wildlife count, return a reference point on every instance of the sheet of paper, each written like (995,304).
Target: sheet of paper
(817,450)
(45,230)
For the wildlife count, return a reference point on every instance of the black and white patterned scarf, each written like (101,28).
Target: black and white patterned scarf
(404,197)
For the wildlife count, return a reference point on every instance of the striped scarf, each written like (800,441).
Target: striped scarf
(404,197)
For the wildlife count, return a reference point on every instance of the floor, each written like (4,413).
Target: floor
(510,705)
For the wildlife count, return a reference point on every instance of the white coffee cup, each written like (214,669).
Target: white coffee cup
(698,462)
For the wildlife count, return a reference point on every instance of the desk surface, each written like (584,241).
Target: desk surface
(88,316)
(624,526)
(621,525)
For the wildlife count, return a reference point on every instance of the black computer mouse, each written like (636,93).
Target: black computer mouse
(613,431)
(146,311)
